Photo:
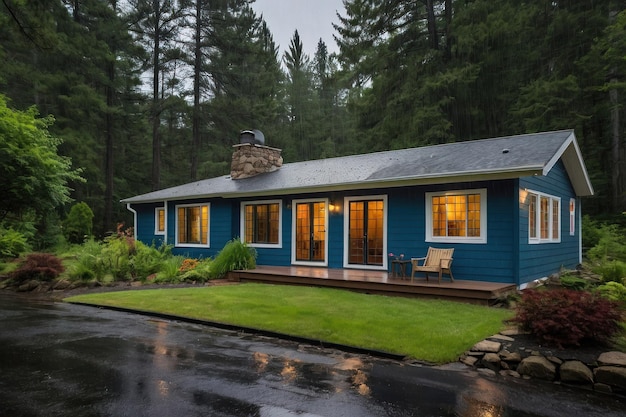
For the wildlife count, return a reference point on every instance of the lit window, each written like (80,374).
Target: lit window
(192,223)
(544,218)
(457,216)
(159,221)
(261,223)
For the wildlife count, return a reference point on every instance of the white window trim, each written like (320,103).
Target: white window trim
(156,221)
(346,232)
(457,239)
(242,223)
(551,239)
(208,232)
(293,231)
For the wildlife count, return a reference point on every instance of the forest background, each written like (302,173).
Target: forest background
(139,95)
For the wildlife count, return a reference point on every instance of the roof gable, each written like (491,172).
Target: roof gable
(498,158)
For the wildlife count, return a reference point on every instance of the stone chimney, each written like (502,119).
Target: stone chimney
(252,157)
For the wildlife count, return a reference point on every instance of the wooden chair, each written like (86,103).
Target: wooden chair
(437,261)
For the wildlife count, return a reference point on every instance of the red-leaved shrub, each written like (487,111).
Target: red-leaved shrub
(41,266)
(566,317)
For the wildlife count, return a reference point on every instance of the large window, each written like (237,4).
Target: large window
(261,223)
(159,221)
(192,225)
(457,216)
(544,218)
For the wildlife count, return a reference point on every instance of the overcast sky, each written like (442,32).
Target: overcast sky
(312,18)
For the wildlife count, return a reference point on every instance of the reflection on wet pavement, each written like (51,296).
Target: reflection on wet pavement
(59,360)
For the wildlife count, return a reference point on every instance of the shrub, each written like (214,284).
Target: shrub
(611,271)
(611,244)
(88,264)
(78,224)
(234,255)
(147,260)
(170,270)
(574,283)
(41,266)
(613,291)
(200,273)
(566,318)
(12,243)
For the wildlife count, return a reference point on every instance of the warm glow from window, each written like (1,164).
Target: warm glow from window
(160,220)
(193,224)
(456,215)
(262,223)
(544,218)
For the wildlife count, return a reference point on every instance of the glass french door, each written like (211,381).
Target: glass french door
(366,232)
(310,234)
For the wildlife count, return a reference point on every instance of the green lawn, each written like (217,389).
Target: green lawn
(427,330)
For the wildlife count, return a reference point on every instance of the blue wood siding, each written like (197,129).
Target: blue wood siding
(146,226)
(506,256)
(540,260)
(492,261)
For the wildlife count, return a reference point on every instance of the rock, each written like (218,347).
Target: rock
(62,284)
(537,367)
(491,361)
(602,388)
(614,376)
(487,346)
(612,359)
(29,285)
(507,356)
(511,332)
(487,372)
(509,372)
(469,360)
(576,372)
(502,338)
(554,360)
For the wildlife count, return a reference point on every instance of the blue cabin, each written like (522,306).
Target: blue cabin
(509,206)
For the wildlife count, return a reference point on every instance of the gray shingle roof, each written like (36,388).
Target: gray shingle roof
(504,157)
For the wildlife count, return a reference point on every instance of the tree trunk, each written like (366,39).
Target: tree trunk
(195,128)
(432,25)
(616,152)
(156,140)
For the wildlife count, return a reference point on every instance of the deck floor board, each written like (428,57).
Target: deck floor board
(377,282)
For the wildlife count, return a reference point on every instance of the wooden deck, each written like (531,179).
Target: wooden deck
(376,282)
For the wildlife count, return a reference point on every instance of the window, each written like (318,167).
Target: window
(159,221)
(192,224)
(572,217)
(457,216)
(261,223)
(544,218)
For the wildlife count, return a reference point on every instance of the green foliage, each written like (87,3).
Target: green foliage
(613,291)
(79,223)
(12,243)
(201,272)
(41,266)
(611,244)
(234,255)
(34,175)
(170,270)
(573,282)
(611,271)
(567,318)
(591,232)
(88,263)
(148,260)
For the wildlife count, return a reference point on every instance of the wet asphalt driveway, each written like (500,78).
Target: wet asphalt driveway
(65,360)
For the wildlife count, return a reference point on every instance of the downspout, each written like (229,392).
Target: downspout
(129,208)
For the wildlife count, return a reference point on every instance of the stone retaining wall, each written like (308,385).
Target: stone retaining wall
(494,355)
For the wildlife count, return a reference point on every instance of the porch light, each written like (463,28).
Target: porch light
(334,207)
